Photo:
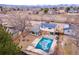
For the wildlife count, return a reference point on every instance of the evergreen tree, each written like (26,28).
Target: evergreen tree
(67,9)
(46,10)
(7,47)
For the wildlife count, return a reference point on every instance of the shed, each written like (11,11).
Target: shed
(35,30)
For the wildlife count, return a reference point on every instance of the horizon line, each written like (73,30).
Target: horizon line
(40,4)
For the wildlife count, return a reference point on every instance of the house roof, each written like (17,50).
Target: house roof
(47,25)
(66,26)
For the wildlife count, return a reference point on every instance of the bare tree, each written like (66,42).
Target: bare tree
(20,21)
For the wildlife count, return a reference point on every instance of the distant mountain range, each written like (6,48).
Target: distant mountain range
(39,6)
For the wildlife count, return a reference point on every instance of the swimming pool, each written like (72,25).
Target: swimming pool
(44,44)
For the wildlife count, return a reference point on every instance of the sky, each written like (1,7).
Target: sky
(38,2)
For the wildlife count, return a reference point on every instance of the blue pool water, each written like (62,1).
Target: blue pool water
(44,44)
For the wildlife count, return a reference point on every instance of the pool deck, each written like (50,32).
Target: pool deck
(26,41)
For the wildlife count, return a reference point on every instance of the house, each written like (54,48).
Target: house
(9,28)
(41,12)
(52,12)
(35,11)
(68,30)
(61,11)
(47,28)
(73,11)
(66,26)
